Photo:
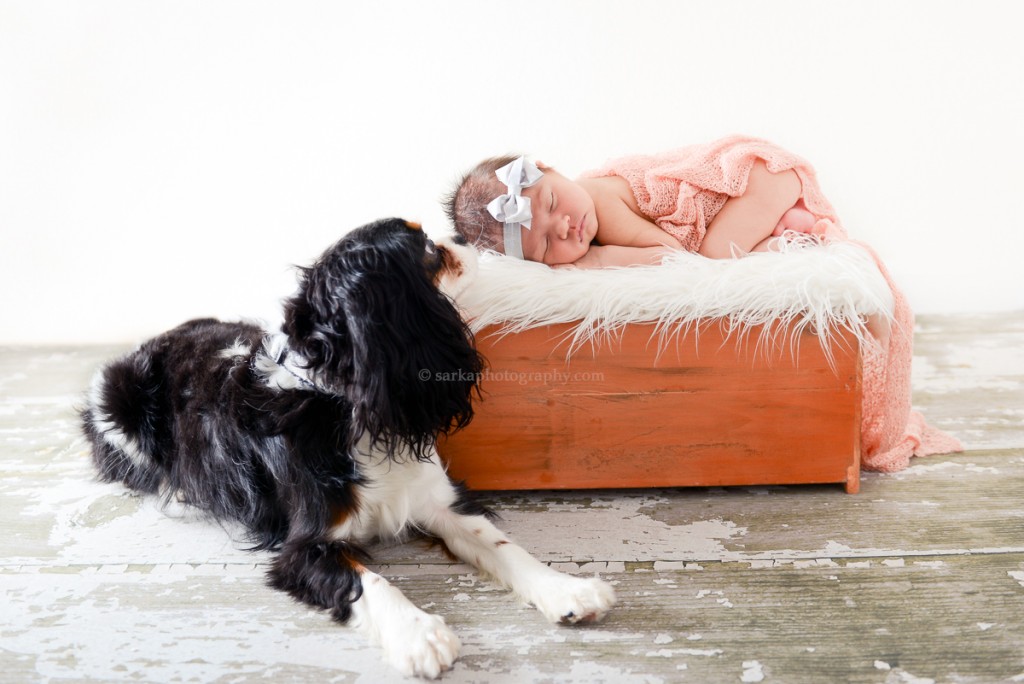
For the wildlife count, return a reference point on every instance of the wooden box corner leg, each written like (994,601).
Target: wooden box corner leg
(853,478)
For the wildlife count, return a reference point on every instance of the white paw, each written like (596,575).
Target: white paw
(571,600)
(423,647)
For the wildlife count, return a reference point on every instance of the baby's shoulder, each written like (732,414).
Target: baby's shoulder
(610,190)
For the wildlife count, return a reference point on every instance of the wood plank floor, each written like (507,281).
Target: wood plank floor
(919,578)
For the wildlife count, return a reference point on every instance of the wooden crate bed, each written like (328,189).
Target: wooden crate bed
(605,379)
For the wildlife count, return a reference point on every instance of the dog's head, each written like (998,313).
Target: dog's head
(374,320)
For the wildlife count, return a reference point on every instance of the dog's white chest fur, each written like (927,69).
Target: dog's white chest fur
(396,495)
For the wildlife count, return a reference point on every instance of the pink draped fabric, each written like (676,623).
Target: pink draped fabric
(684,189)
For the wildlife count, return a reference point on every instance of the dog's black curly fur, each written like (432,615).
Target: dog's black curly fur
(193,414)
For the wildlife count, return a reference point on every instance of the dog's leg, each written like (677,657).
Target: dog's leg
(330,575)
(560,597)
(415,642)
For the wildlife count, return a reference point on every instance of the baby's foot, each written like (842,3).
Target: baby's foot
(798,220)
(826,229)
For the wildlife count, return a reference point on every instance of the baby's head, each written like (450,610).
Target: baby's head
(466,206)
(510,205)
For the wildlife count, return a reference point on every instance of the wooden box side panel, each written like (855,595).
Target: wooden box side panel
(708,409)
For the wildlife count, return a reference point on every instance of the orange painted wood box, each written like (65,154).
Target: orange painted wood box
(707,409)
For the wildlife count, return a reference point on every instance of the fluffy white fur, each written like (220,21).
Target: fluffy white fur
(821,287)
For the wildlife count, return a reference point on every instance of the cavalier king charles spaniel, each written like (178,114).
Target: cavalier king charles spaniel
(321,438)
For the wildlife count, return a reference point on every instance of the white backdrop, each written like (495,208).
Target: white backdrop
(168,159)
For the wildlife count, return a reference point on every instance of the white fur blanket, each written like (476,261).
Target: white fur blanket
(813,286)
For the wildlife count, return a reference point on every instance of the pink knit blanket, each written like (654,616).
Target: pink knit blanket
(684,189)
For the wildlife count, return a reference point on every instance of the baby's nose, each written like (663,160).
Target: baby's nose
(564,227)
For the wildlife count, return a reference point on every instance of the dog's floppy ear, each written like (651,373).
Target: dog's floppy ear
(415,368)
(314,322)
(372,319)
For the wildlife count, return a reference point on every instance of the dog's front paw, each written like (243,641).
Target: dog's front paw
(424,646)
(572,600)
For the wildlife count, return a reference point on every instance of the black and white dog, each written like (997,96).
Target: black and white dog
(322,437)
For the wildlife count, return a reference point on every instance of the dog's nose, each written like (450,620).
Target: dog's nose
(460,239)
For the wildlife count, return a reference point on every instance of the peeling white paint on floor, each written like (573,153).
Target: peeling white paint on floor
(920,467)
(84,627)
(100,585)
(700,539)
(752,672)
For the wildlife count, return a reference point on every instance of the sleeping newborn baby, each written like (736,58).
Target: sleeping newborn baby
(726,199)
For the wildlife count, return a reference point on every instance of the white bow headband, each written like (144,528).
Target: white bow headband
(512,209)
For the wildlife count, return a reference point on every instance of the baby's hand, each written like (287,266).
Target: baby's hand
(606,256)
(592,259)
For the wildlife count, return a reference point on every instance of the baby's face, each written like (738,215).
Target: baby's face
(564,220)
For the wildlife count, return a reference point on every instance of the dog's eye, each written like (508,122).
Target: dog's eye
(432,256)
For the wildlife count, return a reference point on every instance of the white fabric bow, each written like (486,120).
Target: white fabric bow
(512,209)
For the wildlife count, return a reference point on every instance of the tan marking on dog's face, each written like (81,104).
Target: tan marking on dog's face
(412,225)
(451,264)
(456,267)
